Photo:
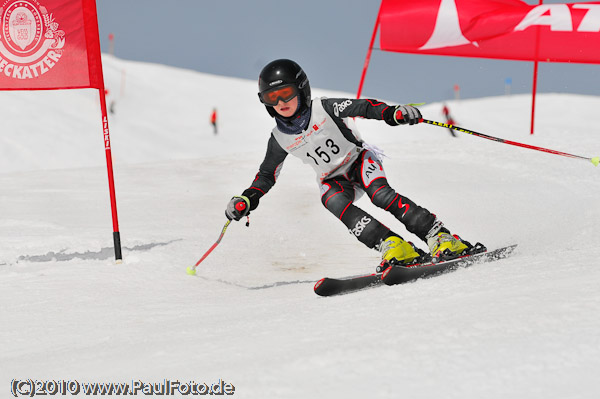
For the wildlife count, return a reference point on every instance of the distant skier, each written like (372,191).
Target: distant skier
(316,132)
(213,120)
(449,119)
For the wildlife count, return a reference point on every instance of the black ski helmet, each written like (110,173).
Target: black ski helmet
(281,73)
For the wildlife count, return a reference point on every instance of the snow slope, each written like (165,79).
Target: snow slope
(524,327)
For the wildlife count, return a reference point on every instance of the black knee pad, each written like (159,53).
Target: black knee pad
(383,194)
(337,198)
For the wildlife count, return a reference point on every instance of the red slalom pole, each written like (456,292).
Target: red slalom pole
(111,179)
(595,161)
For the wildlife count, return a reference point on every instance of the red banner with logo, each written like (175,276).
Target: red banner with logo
(49,44)
(504,29)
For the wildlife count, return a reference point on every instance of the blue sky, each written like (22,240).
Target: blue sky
(328,38)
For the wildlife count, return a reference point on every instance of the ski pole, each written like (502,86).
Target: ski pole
(595,160)
(191,270)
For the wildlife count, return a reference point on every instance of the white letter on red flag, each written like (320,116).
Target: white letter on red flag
(504,29)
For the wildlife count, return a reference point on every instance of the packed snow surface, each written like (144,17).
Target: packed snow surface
(523,327)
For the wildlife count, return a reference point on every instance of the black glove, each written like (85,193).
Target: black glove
(238,207)
(401,115)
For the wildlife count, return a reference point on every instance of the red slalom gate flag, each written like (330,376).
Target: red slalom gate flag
(54,44)
(49,44)
(503,29)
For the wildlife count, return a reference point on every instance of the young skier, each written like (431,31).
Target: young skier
(315,131)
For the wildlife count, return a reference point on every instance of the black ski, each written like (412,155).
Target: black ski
(401,274)
(333,286)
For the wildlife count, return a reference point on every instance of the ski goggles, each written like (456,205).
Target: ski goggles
(272,97)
